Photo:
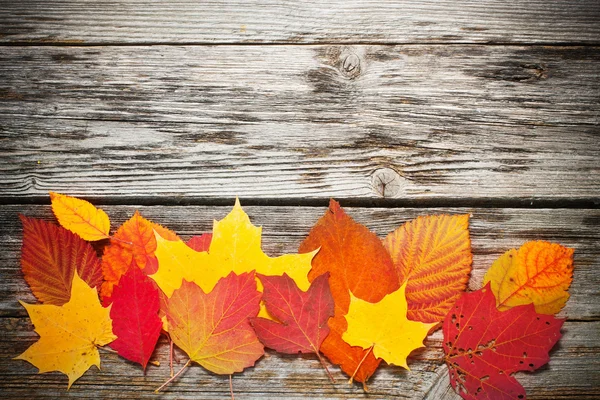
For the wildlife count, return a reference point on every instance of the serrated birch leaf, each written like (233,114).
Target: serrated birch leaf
(539,273)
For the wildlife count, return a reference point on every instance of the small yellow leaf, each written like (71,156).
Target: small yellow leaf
(80,217)
(235,247)
(384,327)
(539,273)
(69,334)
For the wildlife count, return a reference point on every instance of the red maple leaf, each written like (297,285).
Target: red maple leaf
(484,346)
(134,312)
(214,328)
(49,257)
(303,315)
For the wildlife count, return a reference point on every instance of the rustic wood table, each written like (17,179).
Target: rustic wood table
(394,108)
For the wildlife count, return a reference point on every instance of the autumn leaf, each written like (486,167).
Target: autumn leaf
(69,334)
(358,264)
(214,328)
(80,217)
(235,247)
(134,312)
(539,273)
(302,316)
(384,328)
(433,253)
(134,241)
(49,257)
(200,243)
(484,346)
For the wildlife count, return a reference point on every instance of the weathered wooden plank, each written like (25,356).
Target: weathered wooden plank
(475,122)
(493,231)
(339,21)
(573,372)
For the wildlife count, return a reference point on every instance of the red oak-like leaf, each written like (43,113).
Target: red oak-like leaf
(49,257)
(134,312)
(214,329)
(484,346)
(303,315)
(358,263)
(200,243)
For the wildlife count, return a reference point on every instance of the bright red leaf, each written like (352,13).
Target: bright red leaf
(484,346)
(303,315)
(200,243)
(358,263)
(134,313)
(49,257)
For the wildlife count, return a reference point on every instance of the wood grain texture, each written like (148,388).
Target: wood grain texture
(277,21)
(298,122)
(572,372)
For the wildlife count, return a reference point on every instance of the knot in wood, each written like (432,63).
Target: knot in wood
(386,182)
(351,66)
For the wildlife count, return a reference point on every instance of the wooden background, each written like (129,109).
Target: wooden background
(394,108)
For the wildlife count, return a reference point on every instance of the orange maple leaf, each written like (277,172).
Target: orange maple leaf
(433,254)
(134,240)
(358,263)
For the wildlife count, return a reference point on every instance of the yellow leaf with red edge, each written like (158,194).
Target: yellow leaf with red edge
(383,326)
(539,273)
(214,328)
(69,334)
(235,247)
(80,217)
(432,253)
(133,241)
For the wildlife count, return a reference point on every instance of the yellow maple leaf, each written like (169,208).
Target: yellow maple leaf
(539,273)
(80,217)
(235,247)
(69,334)
(383,326)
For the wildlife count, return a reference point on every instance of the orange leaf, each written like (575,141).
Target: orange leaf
(358,263)
(539,273)
(433,254)
(80,217)
(134,240)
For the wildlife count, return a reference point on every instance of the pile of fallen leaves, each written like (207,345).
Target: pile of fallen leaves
(346,295)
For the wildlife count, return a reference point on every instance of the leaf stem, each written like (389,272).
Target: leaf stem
(359,365)
(174,376)
(231,386)
(325,366)
(171,355)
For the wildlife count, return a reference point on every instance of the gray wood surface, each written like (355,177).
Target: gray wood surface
(311,21)
(297,122)
(573,370)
